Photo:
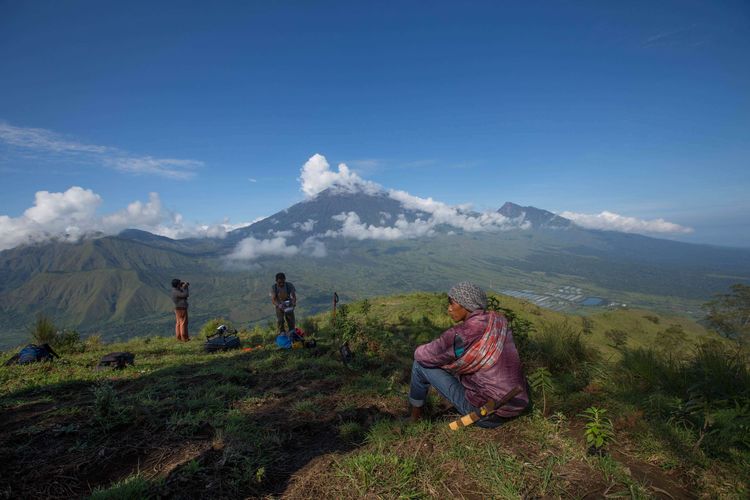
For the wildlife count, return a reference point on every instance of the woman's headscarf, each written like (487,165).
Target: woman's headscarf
(469,296)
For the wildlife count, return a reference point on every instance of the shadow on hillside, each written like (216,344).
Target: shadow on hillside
(220,428)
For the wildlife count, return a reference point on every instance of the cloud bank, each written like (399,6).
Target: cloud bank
(72,215)
(616,222)
(46,142)
(253,248)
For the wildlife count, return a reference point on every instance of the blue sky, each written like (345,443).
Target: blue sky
(639,110)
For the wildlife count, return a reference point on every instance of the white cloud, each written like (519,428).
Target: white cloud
(47,142)
(313,247)
(616,222)
(306,226)
(164,167)
(72,215)
(352,227)
(316,176)
(252,248)
(40,139)
(73,206)
(441,213)
(282,234)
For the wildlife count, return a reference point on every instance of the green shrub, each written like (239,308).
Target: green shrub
(43,331)
(730,428)
(719,372)
(68,341)
(650,370)
(561,347)
(309,326)
(94,341)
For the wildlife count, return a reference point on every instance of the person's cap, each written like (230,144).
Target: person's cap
(469,296)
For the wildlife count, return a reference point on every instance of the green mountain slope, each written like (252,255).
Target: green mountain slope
(71,281)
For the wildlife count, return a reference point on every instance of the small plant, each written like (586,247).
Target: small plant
(599,430)
(192,467)
(558,418)
(365,307)
(350,431)
(541,381)
(94,341)
(105,400)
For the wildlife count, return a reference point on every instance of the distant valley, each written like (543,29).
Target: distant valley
(360,245)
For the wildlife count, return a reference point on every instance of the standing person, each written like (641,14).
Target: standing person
(284,299)
(180,294)
(472,363)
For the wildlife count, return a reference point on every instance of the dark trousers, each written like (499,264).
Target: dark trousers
(281,316)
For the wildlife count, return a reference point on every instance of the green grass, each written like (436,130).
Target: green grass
(135,486)
(267,422)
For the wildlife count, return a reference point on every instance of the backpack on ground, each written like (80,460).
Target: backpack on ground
(116,360)
(33,353)
(222,340)
(294,339)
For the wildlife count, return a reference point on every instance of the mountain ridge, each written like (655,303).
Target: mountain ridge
(119,284)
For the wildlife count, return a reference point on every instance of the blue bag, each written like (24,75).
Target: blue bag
(33,353)
(283,341)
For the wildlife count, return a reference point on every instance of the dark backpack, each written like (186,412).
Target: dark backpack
(116,360)
(33,353)
(222,340)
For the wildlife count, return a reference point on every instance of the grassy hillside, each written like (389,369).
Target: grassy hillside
(300,424)
(119,286)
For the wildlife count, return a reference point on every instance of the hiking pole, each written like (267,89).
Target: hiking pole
(485,411)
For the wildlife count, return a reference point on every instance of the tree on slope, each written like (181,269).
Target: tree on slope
(729,314)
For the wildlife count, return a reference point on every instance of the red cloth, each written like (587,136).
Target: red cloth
(485,351)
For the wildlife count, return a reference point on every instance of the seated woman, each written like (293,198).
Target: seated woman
(472,363)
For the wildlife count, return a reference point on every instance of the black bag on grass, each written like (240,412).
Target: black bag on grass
(116,360)
(222,340)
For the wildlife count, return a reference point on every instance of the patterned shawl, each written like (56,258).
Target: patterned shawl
(485,351)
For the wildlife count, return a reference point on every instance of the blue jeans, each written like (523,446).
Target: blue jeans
(449,387)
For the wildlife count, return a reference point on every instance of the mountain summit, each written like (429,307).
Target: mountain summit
(537,217)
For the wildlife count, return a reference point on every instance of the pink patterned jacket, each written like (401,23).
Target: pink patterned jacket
(489,383)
